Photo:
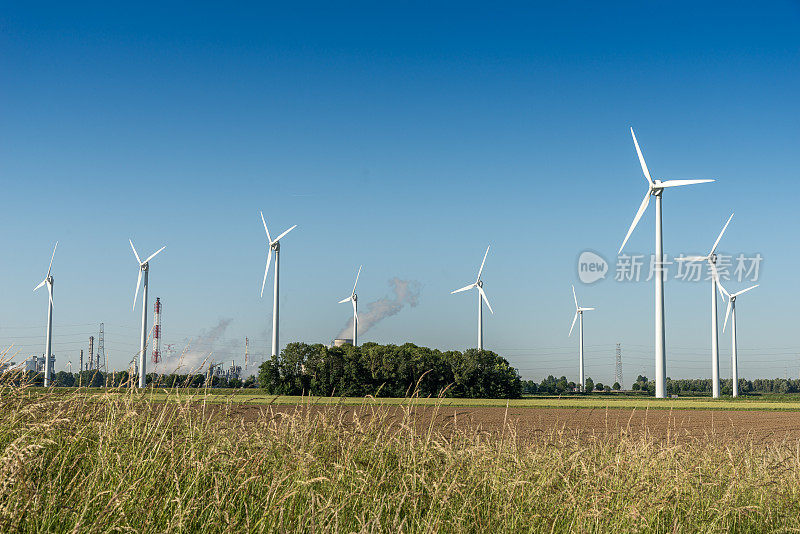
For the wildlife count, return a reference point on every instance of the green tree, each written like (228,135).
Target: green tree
(562,385)
(269,376)
(589,385)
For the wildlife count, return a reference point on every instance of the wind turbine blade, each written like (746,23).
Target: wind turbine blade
(586,309)
(348,299)
(43,282)
(727,312)
(692,258)
(639,213)
(50,294)
(284,233)
(266,270)
(357,275)
(486,300)
(676,183)
(480,271)
(153,255)
(722,290)
(714,274)
(265,227)
(744,290)
(138,281)
(720,235)
(355,311)
(134,252)
(51,259)
(641,158)
(573,324)
(575,297)
(463,289)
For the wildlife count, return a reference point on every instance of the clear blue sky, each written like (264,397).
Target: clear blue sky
(405,139)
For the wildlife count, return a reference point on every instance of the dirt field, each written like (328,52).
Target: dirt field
(584,423)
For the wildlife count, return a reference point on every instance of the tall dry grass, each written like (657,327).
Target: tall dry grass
(117,462)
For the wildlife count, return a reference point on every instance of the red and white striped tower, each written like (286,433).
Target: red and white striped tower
(157,332)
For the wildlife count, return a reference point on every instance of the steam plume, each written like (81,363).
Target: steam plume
(202,349)
(405,292)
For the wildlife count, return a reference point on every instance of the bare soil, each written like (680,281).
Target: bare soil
(690,425)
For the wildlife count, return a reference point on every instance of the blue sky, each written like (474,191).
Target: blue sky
(406,139)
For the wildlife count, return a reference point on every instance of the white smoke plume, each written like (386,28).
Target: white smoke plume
(406,292)
(199,351)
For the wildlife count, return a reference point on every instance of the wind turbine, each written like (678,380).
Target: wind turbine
(48,280)
(481,298)
(354,299)
(144,267)
(579,313)
(276,246)
(711,258)
(732,312)
(656,189)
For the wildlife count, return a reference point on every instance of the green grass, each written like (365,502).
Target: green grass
(223,396)
(120,461)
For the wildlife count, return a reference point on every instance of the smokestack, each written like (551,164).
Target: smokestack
(157,332)
(91,351)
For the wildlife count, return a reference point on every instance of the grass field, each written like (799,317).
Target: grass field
(785,402)
(121,461)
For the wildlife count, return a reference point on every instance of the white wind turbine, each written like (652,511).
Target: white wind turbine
(354,299)
(711,258)
(656,188)
(274,245)
(48,280)
(481,298)
(732,312)
(579,313)
(144,267)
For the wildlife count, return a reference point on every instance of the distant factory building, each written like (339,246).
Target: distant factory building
(35,364)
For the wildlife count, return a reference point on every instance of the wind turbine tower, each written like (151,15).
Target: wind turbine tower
(656,189)
(48,353)
(354,299)
(579,314)
(711,258)
(478,284)
(731,310)
(274,246)
(144,270)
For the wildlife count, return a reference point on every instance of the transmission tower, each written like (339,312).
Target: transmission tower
(101,350)
(618,366)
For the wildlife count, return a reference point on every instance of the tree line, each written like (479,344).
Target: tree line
(94,378)
(685,387)
(389,371)
(396,371)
